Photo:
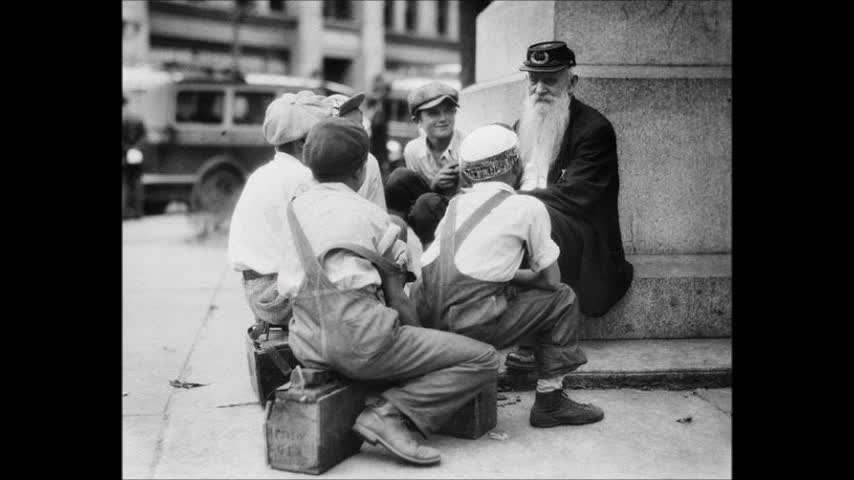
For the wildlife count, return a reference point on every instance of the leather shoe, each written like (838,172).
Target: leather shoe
(556,408)
(386,425)
(521,359)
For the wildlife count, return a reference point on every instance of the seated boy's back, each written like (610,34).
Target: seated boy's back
(495,249)
(332,213)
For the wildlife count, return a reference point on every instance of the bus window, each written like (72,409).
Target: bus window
(250,107)
(200,107)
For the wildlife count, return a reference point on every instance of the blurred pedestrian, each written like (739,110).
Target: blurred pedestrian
(379,122)
(133,137)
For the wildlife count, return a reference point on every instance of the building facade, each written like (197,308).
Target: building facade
(343,41)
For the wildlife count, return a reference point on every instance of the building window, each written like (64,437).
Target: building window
(338,9)
(277,5)
(442,17)
(410,15)
(244,4)
(388,13)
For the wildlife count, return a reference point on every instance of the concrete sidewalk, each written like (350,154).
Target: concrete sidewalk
(184,318)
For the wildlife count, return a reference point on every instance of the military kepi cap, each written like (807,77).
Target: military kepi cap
(430,95)
(335,146)
(548,57)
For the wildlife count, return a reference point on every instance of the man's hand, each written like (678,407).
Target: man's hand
(447,178)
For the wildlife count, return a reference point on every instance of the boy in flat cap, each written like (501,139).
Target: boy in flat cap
(472,282)
(348,262)
(431,159)
(569,150)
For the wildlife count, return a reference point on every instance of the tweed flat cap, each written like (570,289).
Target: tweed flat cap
(291,116)
(430,95)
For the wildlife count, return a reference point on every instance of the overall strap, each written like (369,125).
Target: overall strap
(478,215)
(378,260)
(309,262)
(451,238)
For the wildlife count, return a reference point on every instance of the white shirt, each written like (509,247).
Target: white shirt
(418,157)
(495,247)
(260,219)
(331,213)
(254,238)
(372,188)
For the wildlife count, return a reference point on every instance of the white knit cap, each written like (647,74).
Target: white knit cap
(488,152)
(291,116)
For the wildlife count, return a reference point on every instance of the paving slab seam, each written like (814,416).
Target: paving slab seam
(701,397)
(158,449)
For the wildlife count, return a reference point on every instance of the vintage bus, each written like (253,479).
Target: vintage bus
(204,131)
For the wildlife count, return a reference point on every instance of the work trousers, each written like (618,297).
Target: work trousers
(435,373)
(552,320)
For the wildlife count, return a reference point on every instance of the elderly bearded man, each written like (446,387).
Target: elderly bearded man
(570,155)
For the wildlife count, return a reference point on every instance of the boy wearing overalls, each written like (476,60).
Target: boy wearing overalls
(347,261)
(472,282)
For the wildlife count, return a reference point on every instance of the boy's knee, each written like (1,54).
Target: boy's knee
(489,359)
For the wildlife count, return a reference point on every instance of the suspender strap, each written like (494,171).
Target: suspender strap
(307,259)
(451,238)
(378,260)
(478,215)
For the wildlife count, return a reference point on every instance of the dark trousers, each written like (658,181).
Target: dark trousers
(407,192)
(132,194)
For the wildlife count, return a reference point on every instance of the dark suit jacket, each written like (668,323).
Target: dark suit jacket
(581,198)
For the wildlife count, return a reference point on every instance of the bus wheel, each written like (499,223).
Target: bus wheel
(218,191)
(154,208)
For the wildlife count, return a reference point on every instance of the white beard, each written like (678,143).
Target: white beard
(541,130)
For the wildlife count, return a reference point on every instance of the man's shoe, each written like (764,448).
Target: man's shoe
(556,408)
(521,359)
(387,426)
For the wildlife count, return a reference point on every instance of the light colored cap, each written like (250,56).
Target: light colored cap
(430,95)
(488,152)
(343,104)
(291,116)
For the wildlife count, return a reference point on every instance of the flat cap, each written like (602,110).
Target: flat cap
(488,152)
(335,146)
(548,57)
(291,116)
(430,95)
(342,105)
